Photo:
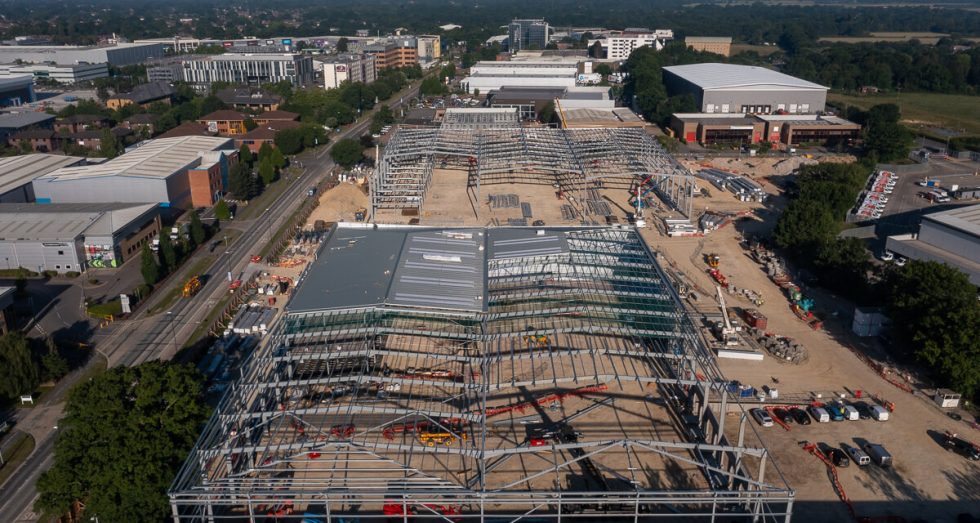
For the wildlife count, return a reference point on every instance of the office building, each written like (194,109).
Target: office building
(487,76)
(620,47)
(180,172)
(710,44)
(525,34)
(71,237)
(394,53)
(742,128)
(224,122)
(253,69)
(347,67)
(16,89)
(117,55)
(729,88)
(169,72)
(61,73)
(429,48)
(951,237)
(18,172)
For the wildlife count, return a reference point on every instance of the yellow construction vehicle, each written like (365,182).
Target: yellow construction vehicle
(431,439)
(713,260)
(192,286)
(539,340)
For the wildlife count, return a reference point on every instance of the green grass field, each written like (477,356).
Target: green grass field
(924,110)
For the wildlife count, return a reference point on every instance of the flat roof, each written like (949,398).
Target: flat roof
(599,117)
(731,76)
(23,119)
(66,221)
(709,39)
(160,158)
(965,219)
(17,171)
(56,48)
(16,81)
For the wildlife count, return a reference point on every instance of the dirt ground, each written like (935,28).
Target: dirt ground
(924,473)
(339,203)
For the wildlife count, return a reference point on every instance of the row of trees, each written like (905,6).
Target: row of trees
(25,363)
(170,254)
(124,436)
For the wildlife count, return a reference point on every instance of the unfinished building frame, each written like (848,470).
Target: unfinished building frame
(491,152)
(566,382)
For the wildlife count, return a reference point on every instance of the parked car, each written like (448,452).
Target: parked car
(800,416)
(901,261)
(783,415)
(819,414)
(879,413)
(864,410)
(887,256)
(836,410)
(962,447)
(838,457)
(762,417)
(857,455)
(878,454)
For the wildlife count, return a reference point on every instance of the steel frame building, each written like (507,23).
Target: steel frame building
(501,152)
(437,374)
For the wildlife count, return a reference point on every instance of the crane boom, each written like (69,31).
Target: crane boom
(724,311)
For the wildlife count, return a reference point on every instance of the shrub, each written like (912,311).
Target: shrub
(72,274)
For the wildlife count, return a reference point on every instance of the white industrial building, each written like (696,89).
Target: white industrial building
(61,73)
(250,69)
(18,172)
(951,237)
(347,67)
(487,76)
(620,47)
(730,88)
(117,54)
(160,171)
(71,237)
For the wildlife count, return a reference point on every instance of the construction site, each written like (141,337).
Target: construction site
(484,169)
(470,374)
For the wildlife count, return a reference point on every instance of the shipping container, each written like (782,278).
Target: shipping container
(756,319)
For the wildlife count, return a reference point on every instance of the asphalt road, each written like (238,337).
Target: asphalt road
(145,338)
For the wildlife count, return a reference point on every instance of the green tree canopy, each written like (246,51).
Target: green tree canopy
(168,255)
(245,155)
(124,436)
(347,152)
(198,232)
(221,210)
(148,265)
(108,146)
(18,373)
(934,307)
(267,171)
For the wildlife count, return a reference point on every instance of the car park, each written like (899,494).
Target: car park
(783,415)
(857,455)
(836,410)
(800,416)
(864,410)
(762,417)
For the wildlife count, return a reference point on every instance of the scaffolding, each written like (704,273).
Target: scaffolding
(492,151)
(576,386)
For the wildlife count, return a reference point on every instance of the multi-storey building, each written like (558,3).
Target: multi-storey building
(348,67)
(400,52)
(61,73)
(712,44)
(250,69)
(620,47)
(429,48)
(523,34)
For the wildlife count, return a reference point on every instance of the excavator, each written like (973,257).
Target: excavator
(713,260)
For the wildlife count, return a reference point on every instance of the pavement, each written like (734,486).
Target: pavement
(146,337)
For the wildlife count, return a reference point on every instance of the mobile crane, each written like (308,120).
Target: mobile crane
(725,331)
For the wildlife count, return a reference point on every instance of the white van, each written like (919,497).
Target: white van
(819,414)
(851,413)
(879,413)
(857,455)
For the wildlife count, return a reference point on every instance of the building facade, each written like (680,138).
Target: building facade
(402,52)
(348,67)
(225,122)
(429,48)
(487,76)
(61,73)
(729,88)
(16,89)
(710,44)
(620,47)
(523,34)
(250,69)
(951,237)
(117,55)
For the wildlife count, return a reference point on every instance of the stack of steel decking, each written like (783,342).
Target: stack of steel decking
(252,320)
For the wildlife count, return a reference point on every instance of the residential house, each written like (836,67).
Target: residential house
(225,122)
(80,122)
(92,140)
(143,95)
(40,140)
(249,98)
(275,116)
(264,133)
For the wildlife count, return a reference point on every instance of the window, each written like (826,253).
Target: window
(710,108)
(57,267)
(805,108)
(61,253)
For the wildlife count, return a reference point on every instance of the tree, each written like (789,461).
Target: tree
(168,256)
(198,232)
(547,113)
(447,71)
(603,70)
(245,155)
(107,144)
(265,151)
(124,436)
(221,210)
(278,160)
(267,172)
(250,124)
(148,265)
(934,307)
(53,364)
(431,86)
(885,139)
(18,373)
(347,152)
(242,183)
(289,141)
(342,44)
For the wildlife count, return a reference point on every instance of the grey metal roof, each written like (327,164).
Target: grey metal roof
(732,76)
(444,269)
(966,219)
(20,120)
(66,221)
(17,171)
(517,243)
